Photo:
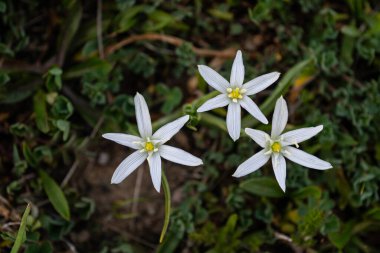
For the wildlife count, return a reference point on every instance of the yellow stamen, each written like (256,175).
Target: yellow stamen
(276,147)
(235,94)
(149,146)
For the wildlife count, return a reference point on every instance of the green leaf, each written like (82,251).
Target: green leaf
(224,15)
(55,194)
(3,7)
(262,186)
(373,213)
(308,191)
(62,108)
(341,238)
(44,247)
(158,20)
(127,17)
(69,27)
(350,30)
(94,65)
(40,112)
(28,154)
(64,127)
(172,97)
(54,79)
(21,234)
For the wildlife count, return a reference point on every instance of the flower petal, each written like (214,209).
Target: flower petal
(248,104)
(155,168)
(167,131)
(305,159)
(219,101)
(260,83)
(127,166)
(252,164)
(124,139)
(279,168)
(143,117)
(280,117)
(234,120)
(179,156)
(296,136)
(213,78)
(237,71)
(258,136)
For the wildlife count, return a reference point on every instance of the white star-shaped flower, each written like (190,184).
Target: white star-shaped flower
(277,146)
(235,93)
(150,146)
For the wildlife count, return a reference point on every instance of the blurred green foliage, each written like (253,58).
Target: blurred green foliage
(60,87)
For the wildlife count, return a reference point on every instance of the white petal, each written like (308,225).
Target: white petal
(127,166)
(167,131)
(219,101)
(260,83)
(124,139)
(234,120)
(155,170)
(280,117)
(237,71)
(248,104)
(142,116)
(213,78)
(279,168)
(252,164)
(296,136)
(305,159)
(180,156)
(258,136)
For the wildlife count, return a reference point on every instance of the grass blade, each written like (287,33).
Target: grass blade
(21,234)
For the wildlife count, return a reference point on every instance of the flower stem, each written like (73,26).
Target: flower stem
(198,102)
(281,88)
(166,188)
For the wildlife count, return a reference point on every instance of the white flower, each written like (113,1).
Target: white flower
(235,93)
(150,146)
(277,146)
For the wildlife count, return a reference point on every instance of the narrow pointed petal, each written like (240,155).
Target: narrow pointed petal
(248,104)
(260,83)
(258,136)
(279,168)
(252,164)
(280,117)
(305,159)
(155,170)
(167,131)
(219,101)
(296,136)
(127,166)
(179,156)
(128,140)
(213,78)
(142,116)
(237,71)
(234,120)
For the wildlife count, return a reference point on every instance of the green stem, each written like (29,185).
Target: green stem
(211,120)
(164,120)
(198,102)
(178,113)
(166,188)
(281,88)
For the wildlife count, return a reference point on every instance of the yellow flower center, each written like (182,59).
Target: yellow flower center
(149,146)
(235,94)
(276,147)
